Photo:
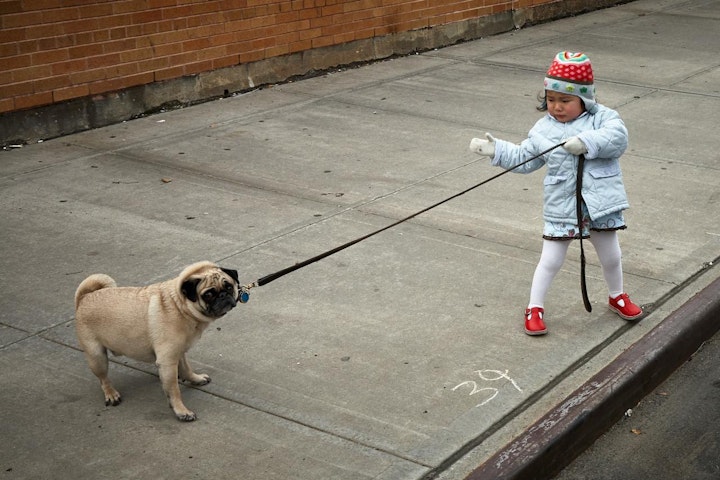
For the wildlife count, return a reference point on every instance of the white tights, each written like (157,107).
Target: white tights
(553,255)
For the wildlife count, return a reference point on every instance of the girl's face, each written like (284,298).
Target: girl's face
(565,108)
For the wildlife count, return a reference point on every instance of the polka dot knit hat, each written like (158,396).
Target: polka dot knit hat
(571,73)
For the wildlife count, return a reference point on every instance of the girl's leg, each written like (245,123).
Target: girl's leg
(607,247)
(551,260)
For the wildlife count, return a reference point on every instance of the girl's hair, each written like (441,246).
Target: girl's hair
(542,98)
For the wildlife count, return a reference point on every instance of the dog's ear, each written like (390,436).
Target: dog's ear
(232,273)
(189,289)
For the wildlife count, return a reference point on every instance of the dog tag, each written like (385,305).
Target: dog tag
(244,296)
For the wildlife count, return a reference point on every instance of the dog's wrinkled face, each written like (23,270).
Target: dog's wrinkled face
(214,291)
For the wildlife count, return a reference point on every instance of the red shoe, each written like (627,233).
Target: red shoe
(623,306)
(534,324)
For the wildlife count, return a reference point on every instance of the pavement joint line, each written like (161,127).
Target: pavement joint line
(248,119)
(358,207)
(532,399)
(267,411)
(308,425)
(672,160)
(39,333)
(527,403)
(706,267)
(120,363)
(652,89)
(671,280)
(447,463)
(538,452)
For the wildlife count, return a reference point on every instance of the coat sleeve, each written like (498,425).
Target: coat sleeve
(508,155)
(609,136)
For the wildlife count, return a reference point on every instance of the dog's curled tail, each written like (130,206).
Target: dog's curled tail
(92,283)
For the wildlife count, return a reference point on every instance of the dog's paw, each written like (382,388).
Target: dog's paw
(112,397)
(200,379)
(186,417)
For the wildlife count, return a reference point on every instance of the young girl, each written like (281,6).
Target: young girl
(587,128)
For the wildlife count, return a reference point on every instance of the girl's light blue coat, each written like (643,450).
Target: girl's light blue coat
(605,136)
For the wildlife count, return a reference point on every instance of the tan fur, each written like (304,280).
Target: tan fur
(157,323)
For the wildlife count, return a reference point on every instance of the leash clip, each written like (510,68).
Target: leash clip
(243,294)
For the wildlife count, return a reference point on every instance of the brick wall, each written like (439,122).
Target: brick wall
(58,51)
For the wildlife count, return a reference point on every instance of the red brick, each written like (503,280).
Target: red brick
(68,93)
(168,37)
(69,66)
(13,6)
(300,46)
(212,53)
(112,21)
(184,58)
(136,55)
(28,47)
(161,3)
(81,25)
(343,37)
(227,61)
(111,85)
(248,55)
(22,19)
(147,16)
(46,43)
(8,49)
(15,89)
(30,73)
(87,76)
(51,83)
(96,10)
(50,56)
(103,60)
(33,100)
(222,39)
(122,70)
(82,38)
(7,105)
(128,6)
(8,35)
(329,11)
(19,61)
(311,33)
(84,51)
(322,42)
(121,45)
(277,51)
(168,73)
(197,67)
(153,64)
(60,15)
(41,4)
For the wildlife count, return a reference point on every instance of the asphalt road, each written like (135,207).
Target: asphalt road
(673,433)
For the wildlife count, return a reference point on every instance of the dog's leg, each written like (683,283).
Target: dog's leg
(96,356)
(169,378)
(186,373)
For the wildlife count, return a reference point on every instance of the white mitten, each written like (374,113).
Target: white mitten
(575,146)
(483,147)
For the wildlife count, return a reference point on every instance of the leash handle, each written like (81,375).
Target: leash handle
(578,201)
(274,276)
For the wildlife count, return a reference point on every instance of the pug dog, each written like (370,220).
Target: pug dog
(157,323)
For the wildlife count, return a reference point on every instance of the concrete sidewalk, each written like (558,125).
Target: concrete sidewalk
(402,357)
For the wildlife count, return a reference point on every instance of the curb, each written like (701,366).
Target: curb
(562,434)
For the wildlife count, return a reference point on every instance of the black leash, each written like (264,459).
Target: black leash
(244,296)
(579,202)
